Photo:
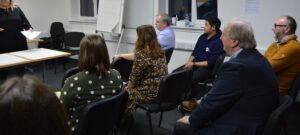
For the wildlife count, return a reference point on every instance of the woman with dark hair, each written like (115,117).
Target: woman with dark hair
(94,82)
(149,67)
(28,107)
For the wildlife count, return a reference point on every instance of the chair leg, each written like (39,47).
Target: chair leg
(64,65)
(150,123)
(284,129)
(55,63)
(160,119)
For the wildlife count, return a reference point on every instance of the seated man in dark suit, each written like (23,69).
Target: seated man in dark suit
(243,95)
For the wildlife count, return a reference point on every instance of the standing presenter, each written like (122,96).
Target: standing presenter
(12,22)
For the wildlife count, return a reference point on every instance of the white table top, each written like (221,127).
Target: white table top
(29,56)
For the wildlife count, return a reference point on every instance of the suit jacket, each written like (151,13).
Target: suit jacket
(243,96)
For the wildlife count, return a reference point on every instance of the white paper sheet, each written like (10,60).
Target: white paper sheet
(31,34)
(7,59)
(40,53)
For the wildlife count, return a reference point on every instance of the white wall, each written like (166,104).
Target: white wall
(42,12)
(262,16)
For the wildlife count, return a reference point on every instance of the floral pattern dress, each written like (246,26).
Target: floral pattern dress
(144,79)
(84,88)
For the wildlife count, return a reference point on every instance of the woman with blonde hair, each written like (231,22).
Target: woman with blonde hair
(149,67)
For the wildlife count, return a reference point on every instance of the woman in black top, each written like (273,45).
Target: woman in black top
(12,22)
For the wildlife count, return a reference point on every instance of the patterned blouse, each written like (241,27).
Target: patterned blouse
(144,79)
(84,88)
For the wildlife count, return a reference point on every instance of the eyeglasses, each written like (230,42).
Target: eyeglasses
(277,25)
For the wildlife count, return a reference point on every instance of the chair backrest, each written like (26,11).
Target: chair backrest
(123,66)
(172,87)
(57,30)
(219,62)
(294,91)
(68,73)
(275,123)
(57,33)
(168,54)
(72,40)
(101,117)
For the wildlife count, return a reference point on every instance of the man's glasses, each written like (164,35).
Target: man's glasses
(277,25)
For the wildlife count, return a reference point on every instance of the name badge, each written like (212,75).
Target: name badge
(206,49)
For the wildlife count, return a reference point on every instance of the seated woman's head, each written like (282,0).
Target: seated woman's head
(27,106)
(147,41)
(93,55)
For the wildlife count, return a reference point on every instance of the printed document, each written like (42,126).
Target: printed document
(31,34)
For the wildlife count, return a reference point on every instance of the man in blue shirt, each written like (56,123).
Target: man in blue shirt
(165,34)
(202,60)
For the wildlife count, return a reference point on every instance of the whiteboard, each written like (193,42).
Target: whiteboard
(138,12)
(110,16)
(261,14)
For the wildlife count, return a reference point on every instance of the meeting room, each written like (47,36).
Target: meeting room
(157,67)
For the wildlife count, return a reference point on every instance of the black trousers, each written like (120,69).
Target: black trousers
(182,129)
(199,74)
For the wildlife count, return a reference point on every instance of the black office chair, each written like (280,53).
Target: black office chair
(102,117)
(168,54)
(56,39)
(123,66)
(171,94)
(209,82)
(72,44)
(276,124)
(68,73)
(57,33)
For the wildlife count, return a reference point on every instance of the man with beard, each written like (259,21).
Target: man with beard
(284,53)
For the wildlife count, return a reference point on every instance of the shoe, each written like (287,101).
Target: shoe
(189,105)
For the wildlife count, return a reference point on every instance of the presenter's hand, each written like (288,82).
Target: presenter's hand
(1,29)
(30,29)
(184,120)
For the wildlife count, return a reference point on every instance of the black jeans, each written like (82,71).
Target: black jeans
(199,74)
(182,129)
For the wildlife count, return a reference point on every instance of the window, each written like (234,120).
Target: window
(84,10)
(89,8)
(195,10)
(180,8)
